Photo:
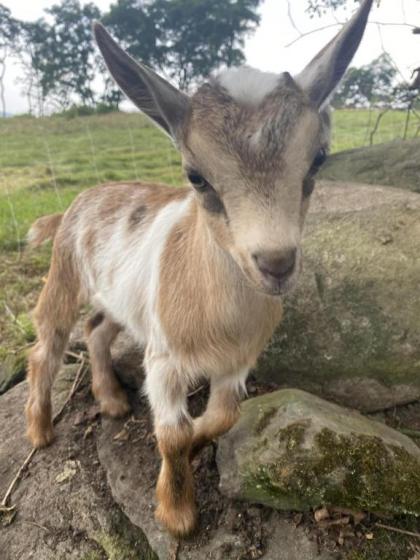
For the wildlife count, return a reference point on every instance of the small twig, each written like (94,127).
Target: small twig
(36,525)
(292,21)
(5,509)
(75,386)
(14,318)
(307,33)
(74,355)
(16,479)
(378,121)
(396,530)
(324,27)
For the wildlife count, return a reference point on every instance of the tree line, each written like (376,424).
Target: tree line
(184,39)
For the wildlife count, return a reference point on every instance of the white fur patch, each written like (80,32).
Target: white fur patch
(248,85)
(127,270)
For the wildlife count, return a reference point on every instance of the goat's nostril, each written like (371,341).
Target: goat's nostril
(278,264)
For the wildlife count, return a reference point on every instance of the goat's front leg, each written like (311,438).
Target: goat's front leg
(167,392)
(222,410)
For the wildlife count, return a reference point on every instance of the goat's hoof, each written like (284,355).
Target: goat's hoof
(115,406)
(40,438)
(180,521)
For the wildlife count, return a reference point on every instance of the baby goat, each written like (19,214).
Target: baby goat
(194,274)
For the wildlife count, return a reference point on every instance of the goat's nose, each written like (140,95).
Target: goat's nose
(277,264)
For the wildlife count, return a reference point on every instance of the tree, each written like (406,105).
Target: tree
(186,39)
(372,84)
(320,7)
(62,54)
(9,30)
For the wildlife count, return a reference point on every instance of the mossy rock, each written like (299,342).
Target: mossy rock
(293,451)
(351,330)
(394,163)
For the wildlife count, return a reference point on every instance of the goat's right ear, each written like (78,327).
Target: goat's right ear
(153,95)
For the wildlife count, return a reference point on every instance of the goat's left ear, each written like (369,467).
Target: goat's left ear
(324,72)
(153,95)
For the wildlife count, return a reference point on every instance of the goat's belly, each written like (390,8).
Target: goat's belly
(127,308)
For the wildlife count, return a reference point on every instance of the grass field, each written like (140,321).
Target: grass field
(45,162)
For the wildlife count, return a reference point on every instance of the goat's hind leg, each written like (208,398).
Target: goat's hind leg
(101,332)
(54,315)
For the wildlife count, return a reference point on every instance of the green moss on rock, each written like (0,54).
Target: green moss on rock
(356,471)
(124,541)
(309,453)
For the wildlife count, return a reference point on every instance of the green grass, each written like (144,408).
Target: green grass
(45,162)
(352,128)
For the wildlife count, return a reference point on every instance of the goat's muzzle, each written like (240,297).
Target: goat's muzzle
(277,269)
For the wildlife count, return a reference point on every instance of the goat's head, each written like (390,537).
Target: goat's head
(251,144)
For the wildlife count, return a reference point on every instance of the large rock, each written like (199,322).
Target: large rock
(351,330)
(395,163)
(291,450)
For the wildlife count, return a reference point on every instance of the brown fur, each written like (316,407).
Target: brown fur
(175,488)
(105,385)
(221,414)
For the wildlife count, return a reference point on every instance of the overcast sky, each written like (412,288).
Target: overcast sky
(268,48)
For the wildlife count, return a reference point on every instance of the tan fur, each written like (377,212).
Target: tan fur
(44,229)
(54,317)
(211,321)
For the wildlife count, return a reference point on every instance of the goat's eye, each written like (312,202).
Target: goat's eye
(198,182)
(319,160)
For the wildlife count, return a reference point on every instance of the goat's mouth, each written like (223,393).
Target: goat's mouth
(274,285)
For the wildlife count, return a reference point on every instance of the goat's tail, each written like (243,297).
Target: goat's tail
(44,229)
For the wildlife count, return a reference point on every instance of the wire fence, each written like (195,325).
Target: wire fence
(45,162)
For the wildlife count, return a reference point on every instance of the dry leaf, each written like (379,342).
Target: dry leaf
(88,432)
(369,536)
(297,519)
(321,514)
(327,523)
(122,436)
(70,469)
